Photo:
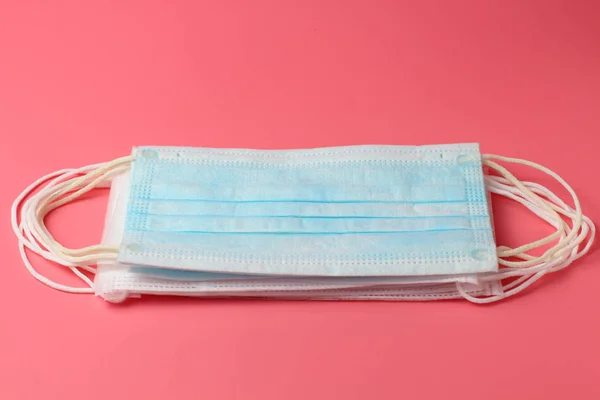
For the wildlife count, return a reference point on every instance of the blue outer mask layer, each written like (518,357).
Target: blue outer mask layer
(344,211)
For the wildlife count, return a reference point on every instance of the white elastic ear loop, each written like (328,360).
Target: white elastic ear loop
(32,233)
(34,222)
(76,256)
(569,243)
(529,277)
(29,242)
(533,198)
(537,199)
(547,206)
(532,274)
(27,238)
(51,199)
(499,185)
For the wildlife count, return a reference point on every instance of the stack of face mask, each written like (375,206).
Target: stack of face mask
(343,223)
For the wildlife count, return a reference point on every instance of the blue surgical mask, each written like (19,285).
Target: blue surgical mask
(358,222)
(348,211)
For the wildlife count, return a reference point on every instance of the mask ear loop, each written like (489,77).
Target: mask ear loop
(26,240)
(547,206)
(66,192)
(66,185)
(499,185)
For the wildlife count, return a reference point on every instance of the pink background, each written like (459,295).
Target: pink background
(83,83)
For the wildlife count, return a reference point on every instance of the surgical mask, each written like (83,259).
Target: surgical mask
(359,222)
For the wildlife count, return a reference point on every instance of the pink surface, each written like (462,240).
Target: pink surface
(83,82)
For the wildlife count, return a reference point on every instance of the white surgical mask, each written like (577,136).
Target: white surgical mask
(359,222)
